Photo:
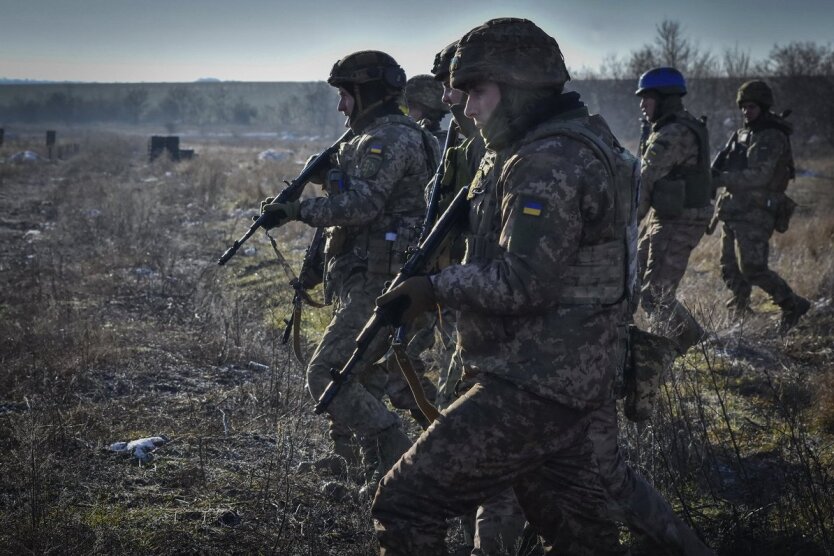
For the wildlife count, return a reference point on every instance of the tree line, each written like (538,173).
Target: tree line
(671,47)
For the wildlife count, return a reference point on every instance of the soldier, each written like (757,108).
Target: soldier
(498,522)
(676,193)
(373,206)
(547,218)
(755,177)
(422,95)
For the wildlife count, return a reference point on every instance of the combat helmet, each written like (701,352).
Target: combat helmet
(442,61)
(427,93)
(755,91)
(374,79)
(666,81)
(367,66)
(512,51)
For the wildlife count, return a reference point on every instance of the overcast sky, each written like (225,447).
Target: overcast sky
(275,40)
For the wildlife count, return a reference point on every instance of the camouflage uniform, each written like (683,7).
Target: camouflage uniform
(748,208)
(374,205)
(423,92)
(541,345)
(668,238)
(524,423)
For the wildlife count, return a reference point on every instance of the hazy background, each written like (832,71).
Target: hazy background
(254,40)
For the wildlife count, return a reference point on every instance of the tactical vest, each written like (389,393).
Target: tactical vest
(602,274)
(784,170)
(384,243)
(697,177)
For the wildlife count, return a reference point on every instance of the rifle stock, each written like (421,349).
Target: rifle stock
(416,264)
(289,193)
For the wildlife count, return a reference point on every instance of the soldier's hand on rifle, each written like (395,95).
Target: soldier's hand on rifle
(407,301)
(278,214)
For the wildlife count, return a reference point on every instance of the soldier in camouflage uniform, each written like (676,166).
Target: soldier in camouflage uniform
(498,522)
(373,207)
(545,220)
(754,203)
(676,194)
(423,97)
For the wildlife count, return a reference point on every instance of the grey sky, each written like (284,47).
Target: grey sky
(263,40)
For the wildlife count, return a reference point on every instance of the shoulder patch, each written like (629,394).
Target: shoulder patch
(531,207)
(528,226)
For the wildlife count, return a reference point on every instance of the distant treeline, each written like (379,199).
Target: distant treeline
(801,74)
(310,108)
(292,107)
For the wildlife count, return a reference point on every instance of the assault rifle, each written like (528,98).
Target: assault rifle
(434,196)
(719,163)
(289,193)
(417,263)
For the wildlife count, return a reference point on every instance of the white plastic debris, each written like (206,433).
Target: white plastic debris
(140,449)
(274,155)
(25,156)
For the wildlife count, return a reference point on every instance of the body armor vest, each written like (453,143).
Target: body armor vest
(697,177)
(602,274)
(384,243)
(785,170)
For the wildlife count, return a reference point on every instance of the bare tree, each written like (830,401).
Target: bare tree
(672,48)
(641,61)
(612,67)
(736,62)
(799,59)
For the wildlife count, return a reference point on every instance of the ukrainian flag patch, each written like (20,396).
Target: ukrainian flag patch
(531,208)
(375,149)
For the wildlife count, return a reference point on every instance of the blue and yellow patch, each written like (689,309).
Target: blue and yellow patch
(375,149)
(531,208)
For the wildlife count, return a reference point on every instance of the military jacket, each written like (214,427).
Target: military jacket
(752,192)
(375,202)
(673,155)
(540,201)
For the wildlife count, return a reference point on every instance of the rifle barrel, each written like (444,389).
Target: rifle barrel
(289,193)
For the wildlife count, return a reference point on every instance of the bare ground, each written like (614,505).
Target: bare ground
(117,324)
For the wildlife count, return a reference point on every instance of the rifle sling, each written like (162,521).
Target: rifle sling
(426,407)
(296,334)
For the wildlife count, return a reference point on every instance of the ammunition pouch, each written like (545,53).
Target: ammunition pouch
(386,255)
(336,181)
(648,359)
(784,209)
(669,197)
(597,275)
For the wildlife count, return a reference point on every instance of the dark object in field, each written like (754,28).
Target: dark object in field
(2,132)
(160,144)
(289,193)
(50,137)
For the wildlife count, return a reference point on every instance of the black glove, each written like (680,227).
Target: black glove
(407,301)
(278,214)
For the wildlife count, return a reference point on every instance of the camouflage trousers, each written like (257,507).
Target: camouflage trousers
(496,437)
(744,253)
(444,339)
(632,500)
(663,254)
(358,407)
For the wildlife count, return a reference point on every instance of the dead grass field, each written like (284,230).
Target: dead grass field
(117,324)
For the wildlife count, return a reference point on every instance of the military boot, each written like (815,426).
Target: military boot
(738,308)
(383,449)
(792,310)
(688,332)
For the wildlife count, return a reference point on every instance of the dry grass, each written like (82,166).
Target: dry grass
(117,323)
